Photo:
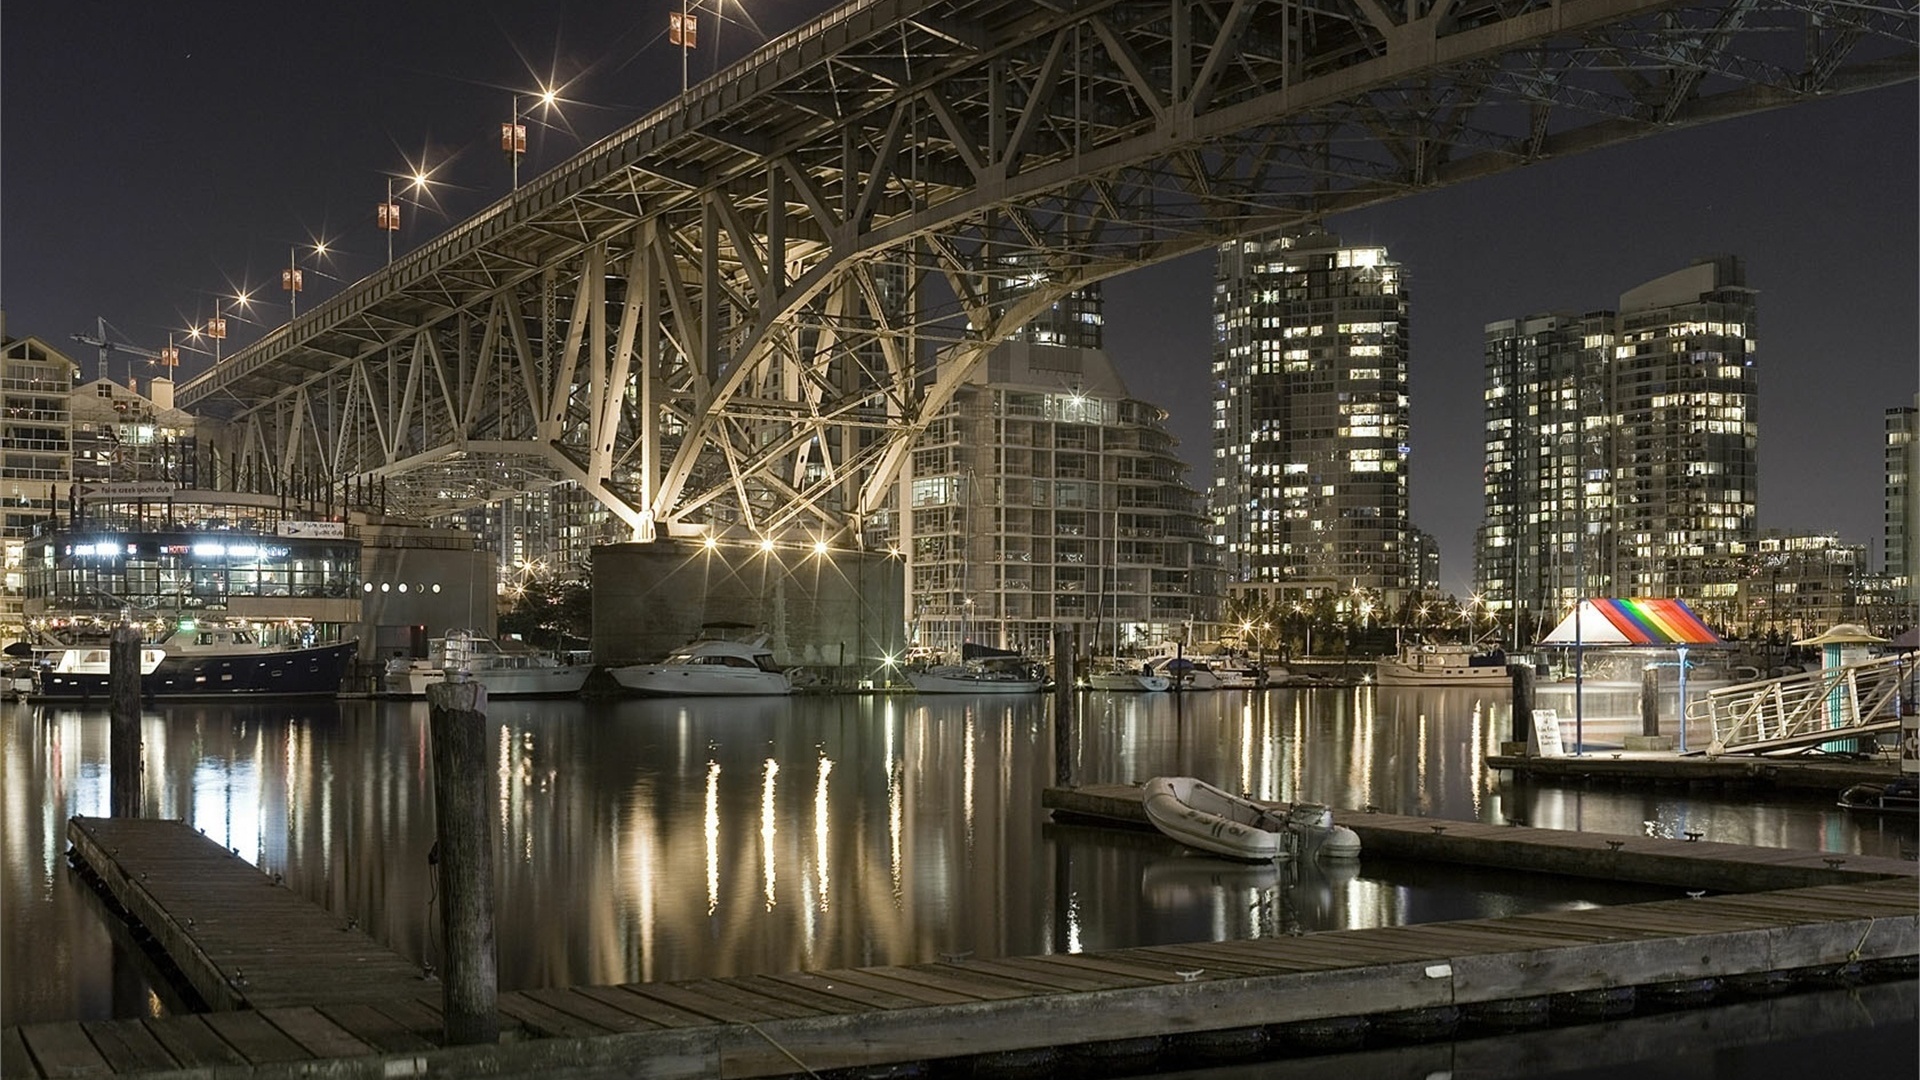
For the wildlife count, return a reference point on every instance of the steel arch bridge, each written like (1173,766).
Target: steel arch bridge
(739,311)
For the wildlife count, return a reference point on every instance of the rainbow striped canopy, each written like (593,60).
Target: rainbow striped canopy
(1632,622)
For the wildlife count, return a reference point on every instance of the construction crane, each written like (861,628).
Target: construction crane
(168,357)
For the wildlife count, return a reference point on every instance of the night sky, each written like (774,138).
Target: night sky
(153,157)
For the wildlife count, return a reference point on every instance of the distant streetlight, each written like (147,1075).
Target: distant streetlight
(293,280)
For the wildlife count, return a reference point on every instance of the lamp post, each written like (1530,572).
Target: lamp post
(513,133)
(388,217)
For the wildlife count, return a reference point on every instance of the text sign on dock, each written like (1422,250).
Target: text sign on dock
(1546,733)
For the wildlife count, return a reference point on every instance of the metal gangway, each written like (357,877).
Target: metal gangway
(1797,713)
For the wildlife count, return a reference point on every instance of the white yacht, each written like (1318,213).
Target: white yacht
(709,667)
(479,659)
(1443,665)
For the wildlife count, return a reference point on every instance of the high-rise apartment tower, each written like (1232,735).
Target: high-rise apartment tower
(1310,418)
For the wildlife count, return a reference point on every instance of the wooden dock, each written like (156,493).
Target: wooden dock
(1648,860)
(1671,768)
(1858,912)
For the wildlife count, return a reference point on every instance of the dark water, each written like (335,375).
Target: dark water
(656,840)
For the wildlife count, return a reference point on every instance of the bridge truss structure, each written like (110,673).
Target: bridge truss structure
(737,313)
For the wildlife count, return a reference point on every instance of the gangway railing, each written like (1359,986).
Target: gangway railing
(1797,712)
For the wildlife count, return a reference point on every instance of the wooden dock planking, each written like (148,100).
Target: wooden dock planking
(646,1008)
(127,1045)
(377,1028)
(240,940)
(546,1022)
(192,1043)
(255,1037)
(63,1050)
(873,989)
(817,996)
(1037,971)
(948,984)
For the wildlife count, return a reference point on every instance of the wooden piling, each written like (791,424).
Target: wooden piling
(123,739)
(470,985)
(1064,702)
(1649,700)
(1522,721)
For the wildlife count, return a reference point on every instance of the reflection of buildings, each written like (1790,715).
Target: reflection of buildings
(36,382)
(1047,496)
(1310,419)
(1621,446)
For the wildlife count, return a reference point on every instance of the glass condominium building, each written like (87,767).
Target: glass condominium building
(1310,418)
(1045,497)
(1641,425)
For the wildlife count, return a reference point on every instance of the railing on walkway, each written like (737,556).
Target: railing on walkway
(1798,711)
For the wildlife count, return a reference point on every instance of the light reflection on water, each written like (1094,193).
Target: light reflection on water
(656,840)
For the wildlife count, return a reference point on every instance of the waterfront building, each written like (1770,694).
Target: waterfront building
(1309,496)
(1795,585)
(36,431)
(1621,447)
(121,436)
(1902,522)
(1046,496)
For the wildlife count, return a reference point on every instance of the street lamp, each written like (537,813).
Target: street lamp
(513,133)
(292,279)
(388,215)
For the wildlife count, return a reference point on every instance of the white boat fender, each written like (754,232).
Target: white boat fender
(1340,843)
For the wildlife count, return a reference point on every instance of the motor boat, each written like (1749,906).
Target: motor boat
(709,667)
(469,655)
(1444,665)
(1205,817)
(1123,677)
(203,658)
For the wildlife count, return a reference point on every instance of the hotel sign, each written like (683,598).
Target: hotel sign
(315,530)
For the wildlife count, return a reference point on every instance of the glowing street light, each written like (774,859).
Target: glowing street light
(513,133)
(388,216)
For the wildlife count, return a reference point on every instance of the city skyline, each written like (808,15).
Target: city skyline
(186,159)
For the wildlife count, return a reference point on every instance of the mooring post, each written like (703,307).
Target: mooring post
(470,985)
(123,738)
(1064,717)
(1649,700)
(1521,724)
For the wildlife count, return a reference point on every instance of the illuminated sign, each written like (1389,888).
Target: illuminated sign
(315,530)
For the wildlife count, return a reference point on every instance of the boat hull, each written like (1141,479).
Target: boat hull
(1202,816)
(1127,681)
(969,682)
(265,673)
(673,680)
(561,681)
(1395,673)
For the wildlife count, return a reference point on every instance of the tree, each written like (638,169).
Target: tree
(551,612)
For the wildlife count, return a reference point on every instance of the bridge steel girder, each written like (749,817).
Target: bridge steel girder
(739,311)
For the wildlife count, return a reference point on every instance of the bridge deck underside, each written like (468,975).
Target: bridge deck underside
(739,311)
